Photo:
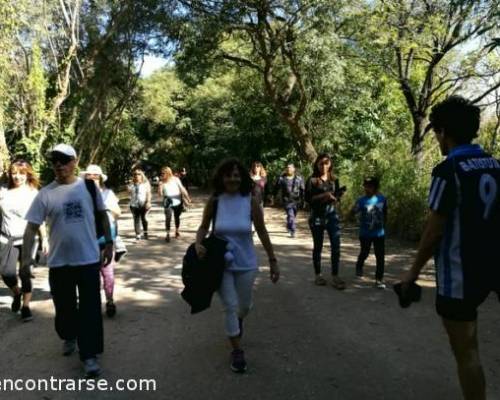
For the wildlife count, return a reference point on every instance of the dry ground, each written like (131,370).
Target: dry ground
(301,341)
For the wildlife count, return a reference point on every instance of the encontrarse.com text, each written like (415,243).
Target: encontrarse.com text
(76,385)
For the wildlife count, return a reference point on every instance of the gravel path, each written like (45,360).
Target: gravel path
(301,341)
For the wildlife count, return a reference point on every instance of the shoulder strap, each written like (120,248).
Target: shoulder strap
(214,213)
(91,188)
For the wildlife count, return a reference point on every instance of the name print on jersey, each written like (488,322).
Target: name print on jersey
(479,163)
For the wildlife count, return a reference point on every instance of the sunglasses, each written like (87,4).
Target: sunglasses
(62,159)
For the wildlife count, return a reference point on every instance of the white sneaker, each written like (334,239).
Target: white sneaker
(380,284)
(137,238)
(91,368)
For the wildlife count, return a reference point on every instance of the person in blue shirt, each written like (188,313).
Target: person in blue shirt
(463,234)
(372,211)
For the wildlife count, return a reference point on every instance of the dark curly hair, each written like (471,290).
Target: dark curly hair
(457,117)
(316,171)
(226,167)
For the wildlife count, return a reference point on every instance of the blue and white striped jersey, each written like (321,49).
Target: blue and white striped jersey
(466,189)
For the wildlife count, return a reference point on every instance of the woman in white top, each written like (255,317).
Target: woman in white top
(94,172)
(236,210)
(173,194)
(140,201)
(14,204)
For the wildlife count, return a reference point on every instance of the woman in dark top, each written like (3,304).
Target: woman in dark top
(259,177)
(322,193)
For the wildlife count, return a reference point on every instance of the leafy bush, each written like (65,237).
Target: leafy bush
(402,181)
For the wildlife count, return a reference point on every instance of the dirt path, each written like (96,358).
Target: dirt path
(301,341)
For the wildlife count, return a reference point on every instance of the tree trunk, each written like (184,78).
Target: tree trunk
(303,141)
(417,140)
(4,151)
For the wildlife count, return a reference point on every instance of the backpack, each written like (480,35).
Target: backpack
(92,189)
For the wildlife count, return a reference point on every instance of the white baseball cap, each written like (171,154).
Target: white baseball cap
(94,170)
(64,149)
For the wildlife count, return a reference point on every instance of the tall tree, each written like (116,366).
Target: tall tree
(433,48)
(267,36)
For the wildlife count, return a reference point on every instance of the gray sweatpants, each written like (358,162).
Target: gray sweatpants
(236,295)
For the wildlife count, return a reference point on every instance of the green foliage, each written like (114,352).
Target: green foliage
(29,146)
(402,181)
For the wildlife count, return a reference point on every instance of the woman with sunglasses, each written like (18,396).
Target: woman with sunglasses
(323,194)
(14,205)
(140,201)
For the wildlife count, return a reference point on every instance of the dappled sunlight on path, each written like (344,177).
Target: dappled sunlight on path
(302,341)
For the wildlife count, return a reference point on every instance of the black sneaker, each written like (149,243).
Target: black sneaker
(26,314)
(16,302)
(110,309)
(69,347)
(91,368)
(146,236)
(359,273)
(238,363)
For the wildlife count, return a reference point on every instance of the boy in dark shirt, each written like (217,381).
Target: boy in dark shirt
(463,233)
(291,187)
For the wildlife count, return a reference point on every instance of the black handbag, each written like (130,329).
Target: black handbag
(202,277)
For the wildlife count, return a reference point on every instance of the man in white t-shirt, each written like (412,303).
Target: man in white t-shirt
(74,259)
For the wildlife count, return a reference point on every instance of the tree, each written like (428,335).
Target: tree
(269,37)
(433,48)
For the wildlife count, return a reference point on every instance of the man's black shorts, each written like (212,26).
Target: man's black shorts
(461,309)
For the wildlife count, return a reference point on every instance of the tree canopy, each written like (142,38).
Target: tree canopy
(268,80)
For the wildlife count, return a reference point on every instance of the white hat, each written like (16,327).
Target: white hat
(95,170)
(64,149)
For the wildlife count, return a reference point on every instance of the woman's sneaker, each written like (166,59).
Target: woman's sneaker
(238,363)
(26,315)
(379,284)
(110,309)
(16,302)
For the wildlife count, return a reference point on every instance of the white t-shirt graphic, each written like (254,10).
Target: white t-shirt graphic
(69,212)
